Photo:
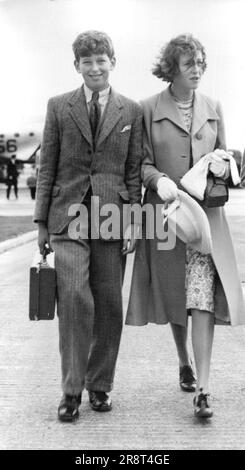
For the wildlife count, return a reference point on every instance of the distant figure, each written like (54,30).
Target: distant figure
(12,176)
(3,174)
(32,183)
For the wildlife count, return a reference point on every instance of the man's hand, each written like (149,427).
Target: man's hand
(167,189)
(43,239)
(130,238)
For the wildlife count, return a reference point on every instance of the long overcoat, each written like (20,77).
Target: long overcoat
(158,282)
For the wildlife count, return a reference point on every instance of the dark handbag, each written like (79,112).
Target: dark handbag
(42,293)
(216,192)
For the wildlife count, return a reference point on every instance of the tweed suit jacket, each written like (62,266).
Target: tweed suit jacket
(69,164)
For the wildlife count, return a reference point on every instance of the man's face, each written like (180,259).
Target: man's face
(95,70)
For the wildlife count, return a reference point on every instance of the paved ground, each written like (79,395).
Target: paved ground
(24,205)
(150,411)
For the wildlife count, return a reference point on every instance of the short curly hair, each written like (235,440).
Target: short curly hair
(167,65)
(92,42)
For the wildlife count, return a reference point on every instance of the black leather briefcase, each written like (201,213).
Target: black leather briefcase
(42,293)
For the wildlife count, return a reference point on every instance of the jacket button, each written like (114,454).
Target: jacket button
(89,152)
(199,136)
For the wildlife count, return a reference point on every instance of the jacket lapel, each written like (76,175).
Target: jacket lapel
(110,118)
(202,112)
(79,113)
(166,108)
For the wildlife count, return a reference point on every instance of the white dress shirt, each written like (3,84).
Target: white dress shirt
(103,98)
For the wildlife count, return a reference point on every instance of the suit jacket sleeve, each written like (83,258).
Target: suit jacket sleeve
(134,159)
(50,149)
(243,170)
(150,174)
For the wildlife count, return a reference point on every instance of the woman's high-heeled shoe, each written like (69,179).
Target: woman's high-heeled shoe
(202,408)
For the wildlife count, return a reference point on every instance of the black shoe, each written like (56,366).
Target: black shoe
(202,408)
(68,408)
(187,379)
(100,401)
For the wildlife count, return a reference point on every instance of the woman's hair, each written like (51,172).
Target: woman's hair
(92,42)
(167,65)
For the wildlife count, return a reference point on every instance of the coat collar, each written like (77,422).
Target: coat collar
(203,110)
(166,108)
(79,113)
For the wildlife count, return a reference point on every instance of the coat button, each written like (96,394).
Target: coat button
(199,136)
(89,152)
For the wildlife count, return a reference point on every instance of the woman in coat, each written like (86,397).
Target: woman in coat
(182,125)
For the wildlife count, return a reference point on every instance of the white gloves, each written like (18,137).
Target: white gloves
(167,189)
(218,164)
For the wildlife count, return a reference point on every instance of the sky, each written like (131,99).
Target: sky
(37,59)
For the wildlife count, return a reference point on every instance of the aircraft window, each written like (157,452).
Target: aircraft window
(31,134)
(17,135)
(1,136)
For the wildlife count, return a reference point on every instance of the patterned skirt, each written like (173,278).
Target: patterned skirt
(199,281)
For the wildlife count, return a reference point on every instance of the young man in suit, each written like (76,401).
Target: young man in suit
(91,149)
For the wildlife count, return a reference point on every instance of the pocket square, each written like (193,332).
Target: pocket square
(126,128)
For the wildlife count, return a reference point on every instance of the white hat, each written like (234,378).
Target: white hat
(189,221)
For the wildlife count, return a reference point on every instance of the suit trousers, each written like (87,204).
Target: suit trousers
(11,183)
(89,307)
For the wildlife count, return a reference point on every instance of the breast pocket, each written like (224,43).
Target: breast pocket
(118,144)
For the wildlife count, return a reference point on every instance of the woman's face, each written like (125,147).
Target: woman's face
(190,71)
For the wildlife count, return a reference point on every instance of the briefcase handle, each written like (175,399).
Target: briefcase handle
(43,263)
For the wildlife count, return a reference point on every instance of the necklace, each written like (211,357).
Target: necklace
(182,99)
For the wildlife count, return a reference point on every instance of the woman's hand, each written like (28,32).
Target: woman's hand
(167,189)
(218,164)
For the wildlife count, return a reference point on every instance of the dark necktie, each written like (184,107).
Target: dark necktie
(94,115)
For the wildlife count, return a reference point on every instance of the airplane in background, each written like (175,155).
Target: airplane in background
(25,144)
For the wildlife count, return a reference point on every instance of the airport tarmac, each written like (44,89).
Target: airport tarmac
(149,409)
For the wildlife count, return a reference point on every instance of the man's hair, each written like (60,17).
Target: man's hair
(92,42)
(167,65)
